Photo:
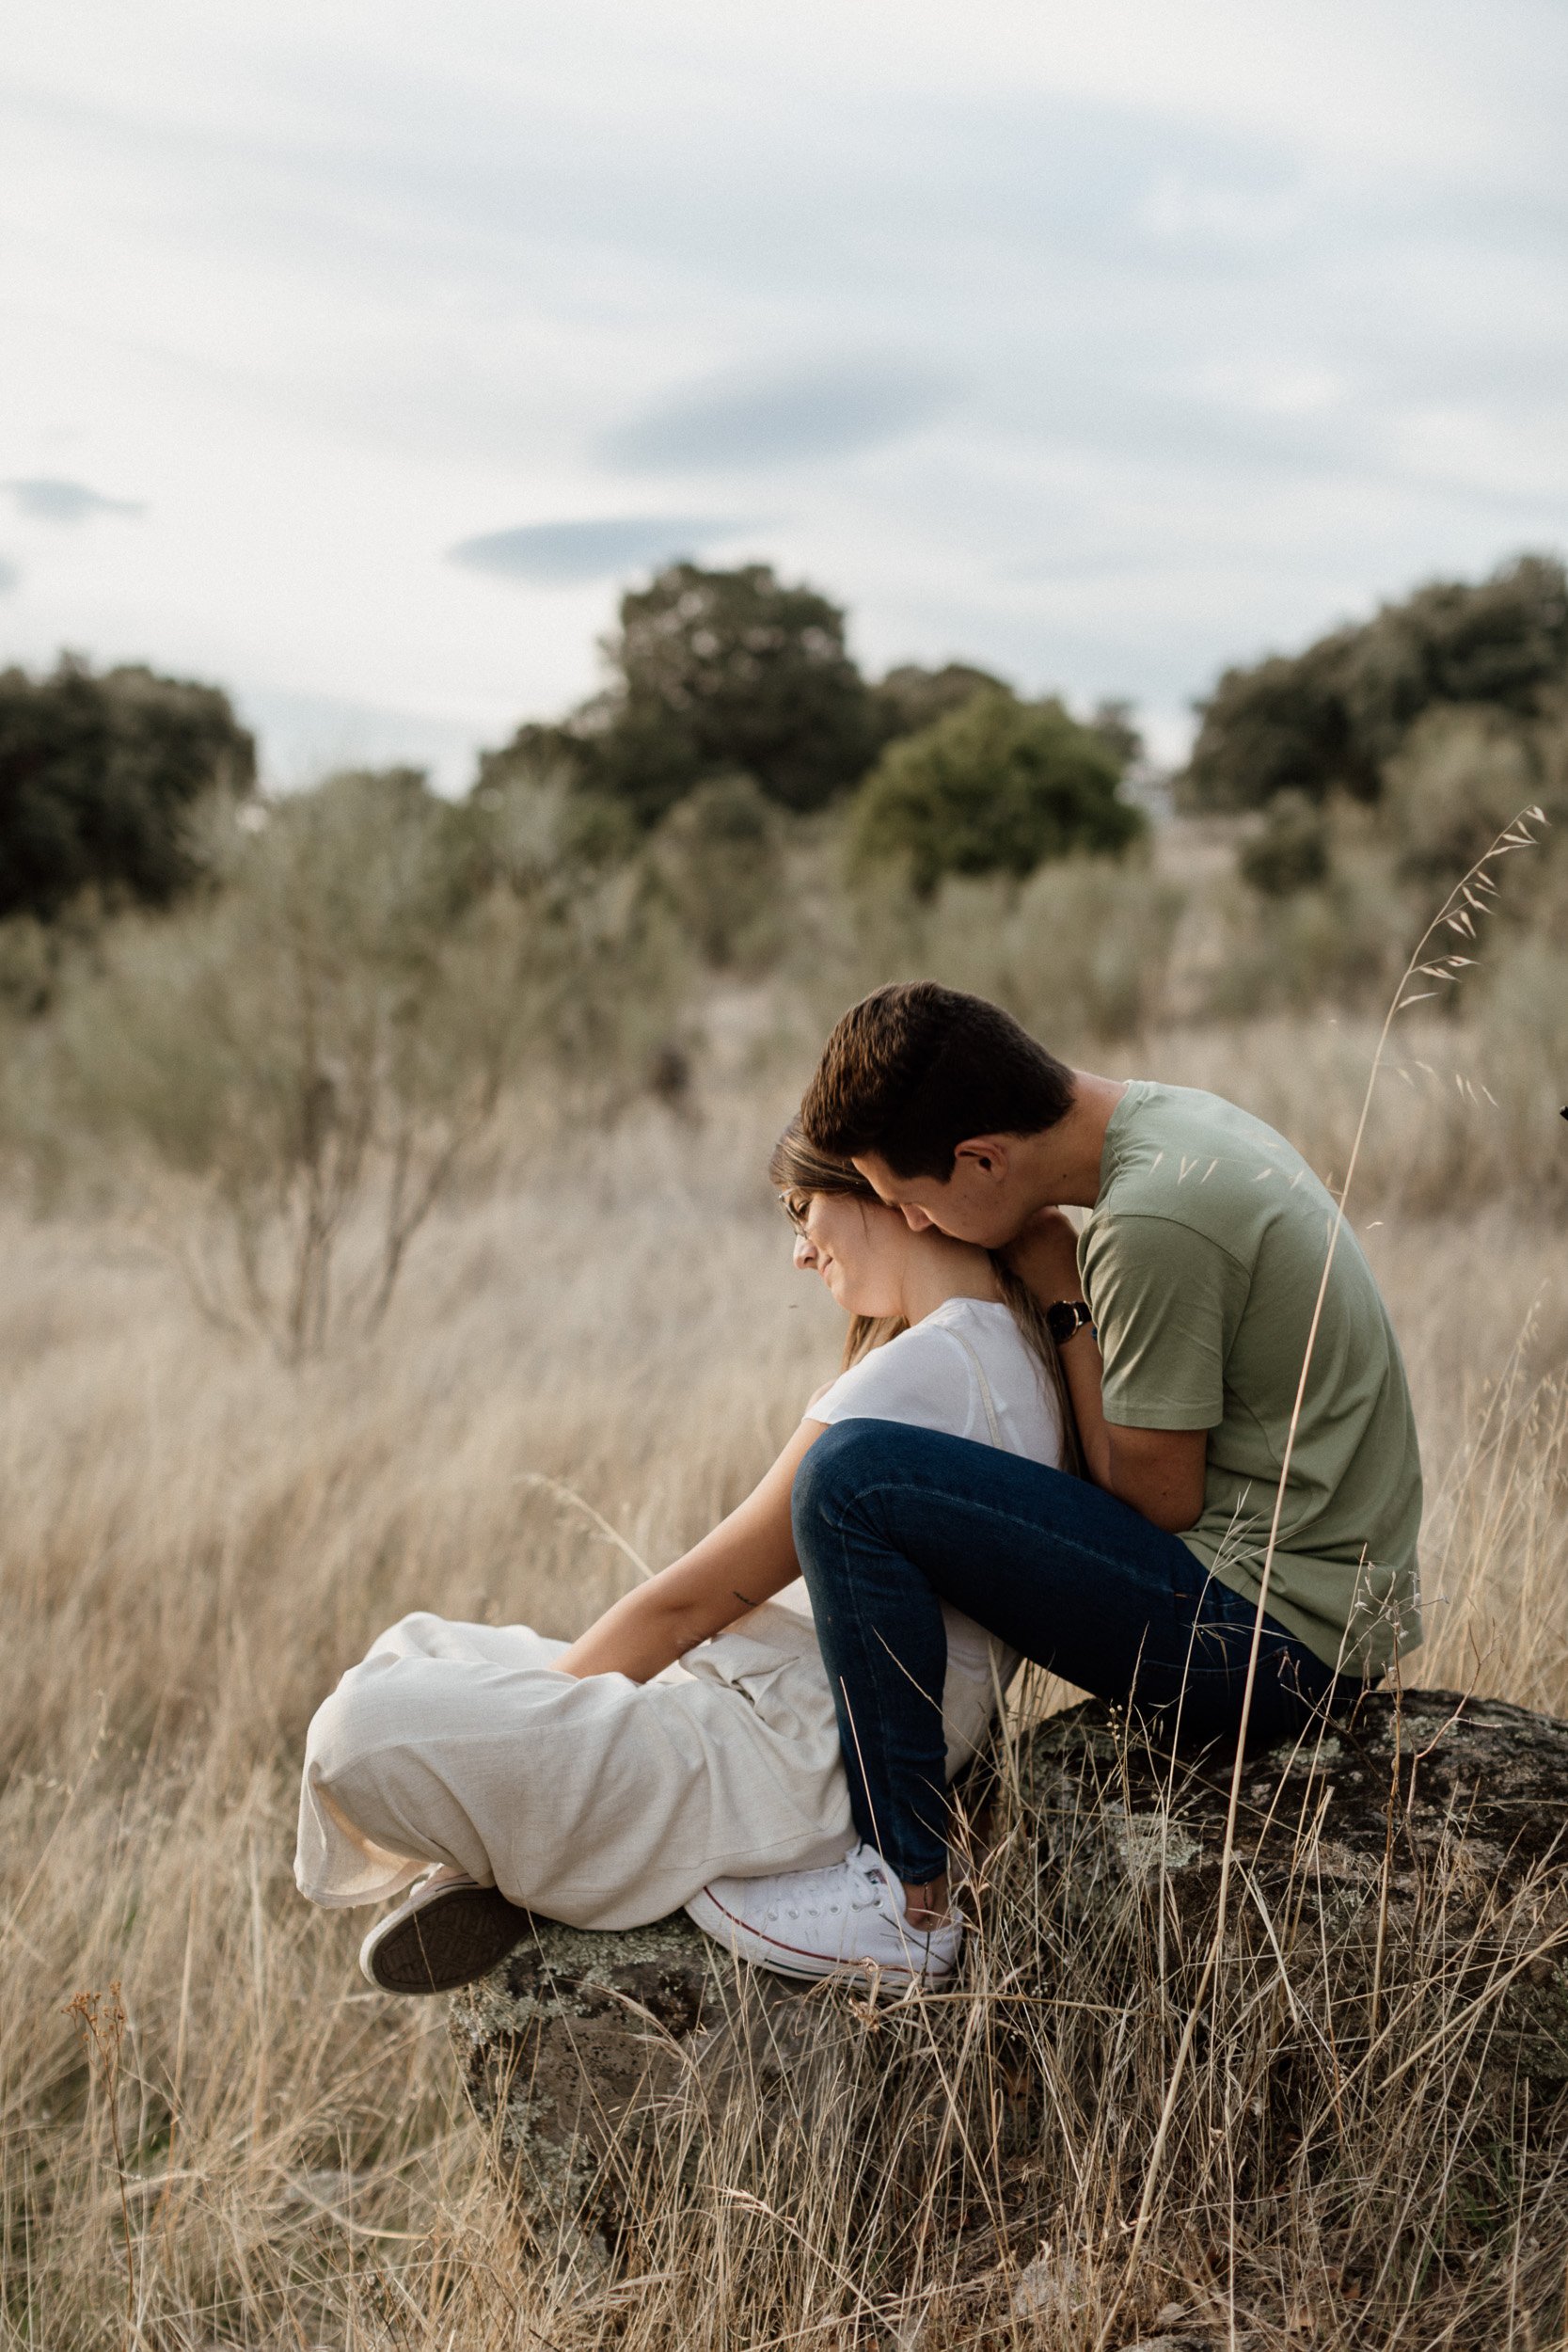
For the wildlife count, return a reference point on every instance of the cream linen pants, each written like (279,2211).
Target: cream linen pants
(598,1801)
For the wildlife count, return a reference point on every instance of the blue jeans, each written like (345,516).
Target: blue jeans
(890,1521)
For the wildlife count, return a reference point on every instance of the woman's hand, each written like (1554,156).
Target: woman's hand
(748,1558)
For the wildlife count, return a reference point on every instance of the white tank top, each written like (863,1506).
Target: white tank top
(968,1371)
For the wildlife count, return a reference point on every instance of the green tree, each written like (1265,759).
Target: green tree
(1329,720)
(99,775)
(910,698)
(999,786)
(715,673)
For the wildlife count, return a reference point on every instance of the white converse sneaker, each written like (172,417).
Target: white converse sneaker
(447,1930)
(847,1920)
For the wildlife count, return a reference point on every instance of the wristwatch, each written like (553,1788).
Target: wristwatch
(1066,1317)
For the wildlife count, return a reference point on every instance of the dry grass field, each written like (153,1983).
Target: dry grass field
(197,1540)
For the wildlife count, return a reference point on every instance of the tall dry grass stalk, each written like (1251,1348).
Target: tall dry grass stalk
(197,1541)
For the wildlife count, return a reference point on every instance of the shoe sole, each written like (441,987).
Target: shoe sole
(457,1936)
(788,1959)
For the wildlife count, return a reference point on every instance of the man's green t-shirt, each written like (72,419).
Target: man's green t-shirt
(1201,1262)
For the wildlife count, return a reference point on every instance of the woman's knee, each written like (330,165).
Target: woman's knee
(421,1634)
(353,1724)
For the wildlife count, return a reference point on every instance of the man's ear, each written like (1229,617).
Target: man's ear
(987,1155)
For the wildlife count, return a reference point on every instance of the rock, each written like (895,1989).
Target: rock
(1431,1819)
(1431,1824)
(577,2046)
(1049,2288)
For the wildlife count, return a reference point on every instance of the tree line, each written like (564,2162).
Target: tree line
(723,688)
(732,702)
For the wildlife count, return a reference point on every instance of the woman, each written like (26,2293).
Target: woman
(604,1784)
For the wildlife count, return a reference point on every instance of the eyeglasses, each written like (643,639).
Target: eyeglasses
(796,1209)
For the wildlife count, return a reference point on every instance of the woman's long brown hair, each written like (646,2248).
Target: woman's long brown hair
(796,1167)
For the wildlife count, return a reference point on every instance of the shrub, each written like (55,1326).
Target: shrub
(1291,854)
(999,786)
(1080,955)
(1339,944)
(717,860)
(320,1043)
(1080,952)
(1462,774)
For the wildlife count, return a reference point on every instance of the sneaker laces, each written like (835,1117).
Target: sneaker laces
(868,1897)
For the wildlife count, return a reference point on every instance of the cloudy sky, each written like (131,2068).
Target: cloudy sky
(356,355)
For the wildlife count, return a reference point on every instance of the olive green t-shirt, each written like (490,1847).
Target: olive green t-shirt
(1201,1262)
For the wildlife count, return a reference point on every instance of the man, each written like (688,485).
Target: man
(1239,1398)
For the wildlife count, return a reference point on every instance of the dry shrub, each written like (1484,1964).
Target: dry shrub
(1081,950)
(304,1059)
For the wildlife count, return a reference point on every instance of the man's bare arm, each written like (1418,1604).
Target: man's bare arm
(1159,1473)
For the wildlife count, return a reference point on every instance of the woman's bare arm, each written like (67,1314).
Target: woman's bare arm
(748,1558)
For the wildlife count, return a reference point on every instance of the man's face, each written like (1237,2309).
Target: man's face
(975,1204)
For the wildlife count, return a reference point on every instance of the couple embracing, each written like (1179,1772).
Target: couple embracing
(1064,1446)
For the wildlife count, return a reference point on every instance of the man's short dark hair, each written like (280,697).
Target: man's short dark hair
(914,1069)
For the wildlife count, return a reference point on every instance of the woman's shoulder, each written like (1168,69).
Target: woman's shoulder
(985,1324)
(927,1361)
(949,1336)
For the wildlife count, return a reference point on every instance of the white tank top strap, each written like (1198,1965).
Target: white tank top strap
(986,1400)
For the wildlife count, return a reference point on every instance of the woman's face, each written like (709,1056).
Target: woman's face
(858,1247)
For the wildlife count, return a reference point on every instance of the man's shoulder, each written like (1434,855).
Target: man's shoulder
(1197,1160)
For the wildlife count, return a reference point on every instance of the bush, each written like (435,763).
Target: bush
(99,776)
(1080,955)
(1291,854)
(1341,943)
(1461,774)
(1081,952)
(319,1043)
(999,786)
(717,861)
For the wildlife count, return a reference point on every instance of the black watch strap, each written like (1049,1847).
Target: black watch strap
(1066,1317)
